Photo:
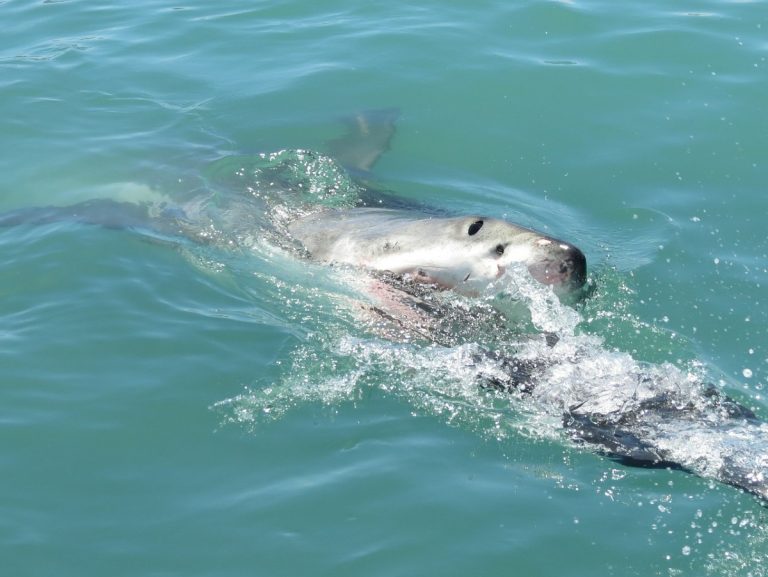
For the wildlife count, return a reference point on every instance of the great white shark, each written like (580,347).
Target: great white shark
(412,253)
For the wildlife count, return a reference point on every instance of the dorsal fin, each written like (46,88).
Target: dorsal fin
(367,138)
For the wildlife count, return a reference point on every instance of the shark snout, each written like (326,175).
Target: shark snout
(560,264)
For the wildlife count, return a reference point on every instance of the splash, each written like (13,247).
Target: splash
(514,361)
(293,178)
(575,387)
(516,294)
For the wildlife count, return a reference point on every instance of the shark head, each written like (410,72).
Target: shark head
(469,253)
(465,254)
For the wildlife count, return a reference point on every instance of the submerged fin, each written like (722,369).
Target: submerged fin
(156,224)
(619,444)
(103,212)
(748,480)
(367,138)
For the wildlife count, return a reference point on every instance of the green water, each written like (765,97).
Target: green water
(636,130)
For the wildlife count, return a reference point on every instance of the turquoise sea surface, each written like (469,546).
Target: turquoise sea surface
(185,408)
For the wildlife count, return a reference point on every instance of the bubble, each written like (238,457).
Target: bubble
(747,373)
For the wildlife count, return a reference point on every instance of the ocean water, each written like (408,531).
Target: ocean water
(188,409)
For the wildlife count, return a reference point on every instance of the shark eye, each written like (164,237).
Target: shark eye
(499,249)
(474,227)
